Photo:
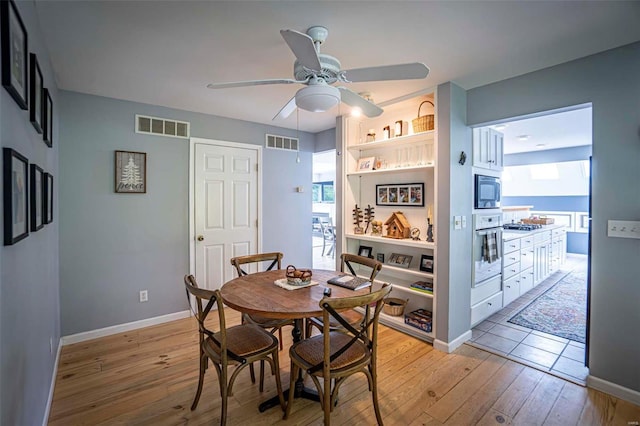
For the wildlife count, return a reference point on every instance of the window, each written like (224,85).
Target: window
(323,192)
(544,171)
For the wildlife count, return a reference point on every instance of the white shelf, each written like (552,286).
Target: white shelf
(412,292)
(393,142)
(391,170)
(393,270)
(397,242)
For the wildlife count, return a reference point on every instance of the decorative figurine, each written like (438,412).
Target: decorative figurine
(376,228)
(415,234)
(357,219)
(368,216)
(429,231)
(397,226)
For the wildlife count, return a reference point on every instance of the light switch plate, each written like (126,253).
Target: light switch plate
(623,228)
(464,221)
(457,222)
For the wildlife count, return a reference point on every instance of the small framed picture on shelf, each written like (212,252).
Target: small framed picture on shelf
(426,263)
(400,260)
(365,251)
(380,257)
(366,164)
(405,194)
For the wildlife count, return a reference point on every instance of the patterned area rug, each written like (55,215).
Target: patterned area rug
(561,310)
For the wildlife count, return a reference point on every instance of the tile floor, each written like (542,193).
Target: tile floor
(546,352)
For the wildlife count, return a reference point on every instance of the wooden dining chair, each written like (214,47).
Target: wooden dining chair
(238,346)
(333,356)
(242,264)
(352,264)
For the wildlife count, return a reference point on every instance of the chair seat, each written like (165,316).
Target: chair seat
(351,316)
(265,322)
(243,340)
(310,352)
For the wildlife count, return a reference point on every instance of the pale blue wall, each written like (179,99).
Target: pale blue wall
(113,245)
(29,308)
(611,82)
(325,140)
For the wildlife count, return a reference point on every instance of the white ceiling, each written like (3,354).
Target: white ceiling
(165,53)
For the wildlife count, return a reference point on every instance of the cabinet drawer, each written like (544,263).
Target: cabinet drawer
(511,270)
(487,289)
(526,242)
(512,245)
(526,280)
(559,232)
(486,308)
(542,236)
(511,290)
(510,258)
(526,258)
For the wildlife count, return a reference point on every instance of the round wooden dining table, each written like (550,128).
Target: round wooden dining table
(258,294)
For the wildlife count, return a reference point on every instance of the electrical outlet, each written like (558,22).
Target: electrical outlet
(144,296)
(457,222)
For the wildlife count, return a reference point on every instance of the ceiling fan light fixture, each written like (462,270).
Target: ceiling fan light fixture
(317,98)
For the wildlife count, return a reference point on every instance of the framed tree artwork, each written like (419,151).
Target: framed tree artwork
(15,196)
(36,197)
(36,114)
(14,53)
(47,206)
(47,134)
(131,172)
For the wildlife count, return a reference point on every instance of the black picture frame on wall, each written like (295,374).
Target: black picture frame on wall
(14,53)
(36,197)
(47,134)
(15,170)
(36,110)
(47,205)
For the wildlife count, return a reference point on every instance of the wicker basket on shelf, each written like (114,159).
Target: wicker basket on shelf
(425,122)
(394,306)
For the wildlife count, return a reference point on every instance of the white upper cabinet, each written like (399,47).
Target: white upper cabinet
(487,148)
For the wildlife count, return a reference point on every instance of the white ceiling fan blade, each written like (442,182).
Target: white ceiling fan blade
(252,83)
(411,71)
(286,110)
(351,98)
(302,46)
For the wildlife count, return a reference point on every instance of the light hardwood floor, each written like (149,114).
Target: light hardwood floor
(149,377)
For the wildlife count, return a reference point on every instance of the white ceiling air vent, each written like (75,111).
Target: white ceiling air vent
(162,126)
(281,142)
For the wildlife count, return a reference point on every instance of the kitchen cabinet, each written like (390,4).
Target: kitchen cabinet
(488,148)
(528,260)
(400,164)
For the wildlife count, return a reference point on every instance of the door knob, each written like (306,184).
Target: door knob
(200,238)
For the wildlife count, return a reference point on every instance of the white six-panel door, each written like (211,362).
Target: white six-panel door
(225,209)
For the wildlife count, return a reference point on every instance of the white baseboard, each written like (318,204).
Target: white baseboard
(613,389)
(47,409)
(449,347)
(115,329)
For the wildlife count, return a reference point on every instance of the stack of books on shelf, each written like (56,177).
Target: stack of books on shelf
(422,286)
(420,318)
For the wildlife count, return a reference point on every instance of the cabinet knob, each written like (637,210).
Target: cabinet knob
(490,304)
(508,286)
(200,238)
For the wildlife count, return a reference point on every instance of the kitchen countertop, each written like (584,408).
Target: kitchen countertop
(511,234)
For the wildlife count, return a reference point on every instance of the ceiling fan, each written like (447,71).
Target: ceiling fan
(318,72)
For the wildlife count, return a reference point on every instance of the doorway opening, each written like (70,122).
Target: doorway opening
(546,178)
(324,210)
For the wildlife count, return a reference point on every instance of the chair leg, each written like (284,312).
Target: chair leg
(276,366)
(326,401)
(261,387)
(203,367)
(292,385)
(280,337)
(224,394)
(252,373)
(374,395)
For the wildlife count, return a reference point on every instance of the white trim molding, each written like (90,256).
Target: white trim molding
(613,389)
(115,329)
(451,346)
(52,387)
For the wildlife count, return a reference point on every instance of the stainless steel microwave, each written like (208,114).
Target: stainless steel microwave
(486,192)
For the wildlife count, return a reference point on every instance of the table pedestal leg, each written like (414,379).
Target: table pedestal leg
(299,391)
